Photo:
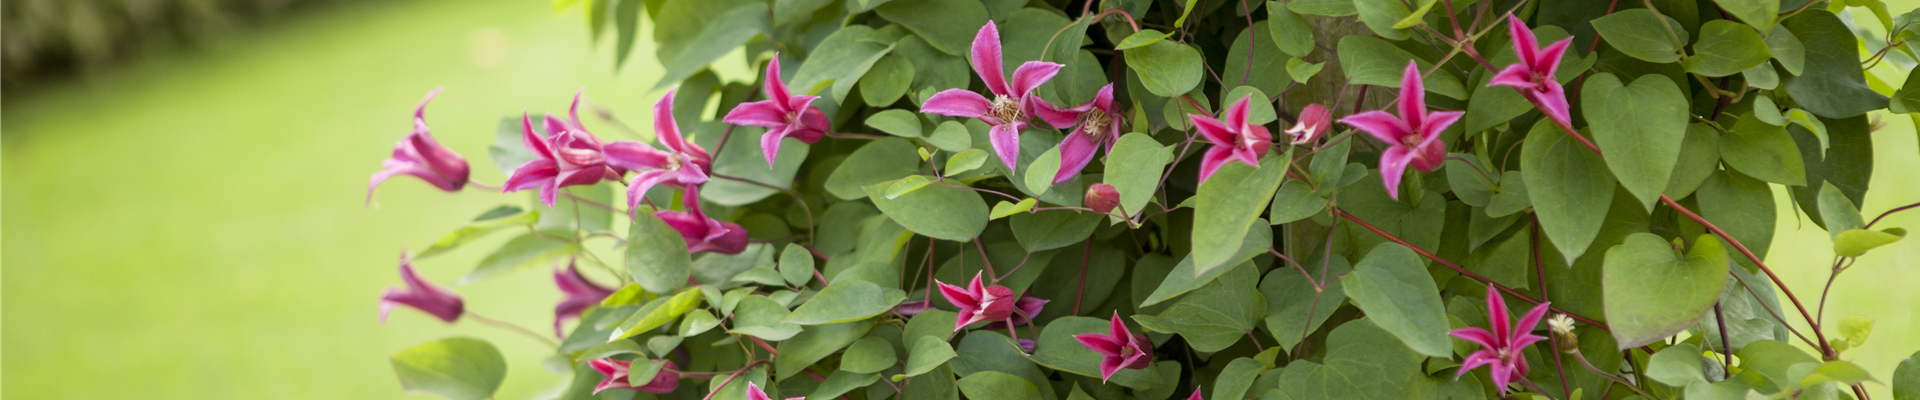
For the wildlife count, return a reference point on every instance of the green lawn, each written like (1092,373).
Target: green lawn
(193,227)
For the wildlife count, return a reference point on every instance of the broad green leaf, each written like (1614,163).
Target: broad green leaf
(878,161)
(815,344)
(1052,229)
(523,251)
(840,383)
(1216,316)
(1330,8)
(459,368)
(1291,33)
(953,136)
(1167,69)
(1228,202)
(1838,212)
(1039,174)
(1788,49)
(796,265)
(1726,48)
(936,211)
(868,355)
(1763,151)
(1185,278)
(1237,378)
(1651,292)
(1058,350)
(1133,168)
(1362,361)
(1259,69)
(763,318)
(1758,13)
(1848,164)
(845,301)
(626,22)
(572,214)
(1833,85)
(1294,201)
(1294,309)
(965,161)
(1856,242)
(1643,34)
(938,385)
(1004,208)
(996,385)
(1370,61)
(1762,76)
(1731,199)
(886,81)
(948,25)
(928,353)
(1392,286)
(991,351)
(1699,159)
(1907,99)
(1142,38)
(1384,17)
(610,349)
(494,220)
(786,12)
(1676,366)
(1722,390)
(906,185)
(1766,111)
(896,122)
(657,256)
(1634,124)
(1569,186)
(840,60)
(658,313)
(1838,371)
(1906,378)
(762,275)
(693,34)
(1775,359)
(698,322)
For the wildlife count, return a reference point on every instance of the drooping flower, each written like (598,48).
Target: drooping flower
(1314,122)
(1122,348)
(782,113)
(978,302)
(1413,137)
(419,155)
(703,233)
(1233,138)
(1024,310)
(617,374)
(754,393)
(1533,75)
(1502,349)
(568,156)
(1011,107)
(421,295)
(1102,198)
(581,294)
(1096,125)
(683,164)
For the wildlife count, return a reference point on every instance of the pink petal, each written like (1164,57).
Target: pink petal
(1475,360)
(534,142)
(1521,341)
(550,192)
(1476,335)
(1517,76)
(975,288)
(1196,395)
(634,155)
(1006,143)
(770,142)
(1393,165)
(1497,317)
(1552,101)
(664,127)
(573,110)
(643,181)
(1103,99)
(1236,114)
(1099,343)
(958,296)
(1059,118)
(816,125)
(957,103)
(531,175)
(986,59)
(1257,139)
(1502,375)
(1438,122)
(727,238)
(1216,157)
(1548,60)
(796,103)
(754,392)
(767,113)
(1530,321)
(1212,129)
(1251,156)
(1108,366)
(420,111)
(1076,151)
(776,89)
(1413,96)
(556,126)
(1031,75)
(1379,124)
(1524,46)
(1117,329)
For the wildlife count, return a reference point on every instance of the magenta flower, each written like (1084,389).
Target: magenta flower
(1102,198)
(1501,349)
(581,294)
(1315,121)
(1095,127)
(703,233)
(568,156)
(1024,310)
(1012,106)
(1196,395)
(1413,137)
(754,393)
(1122,348)
(1233,138)
(421,295)
(683,164)
(419,155)
(782,113)
(616,371)
(1533,75)
(978,302)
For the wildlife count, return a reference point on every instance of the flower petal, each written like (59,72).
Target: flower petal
(1475,360)
(1099,343)
(643,181)
(1216,156)
(1552,101)
(1476,335)
(1517,76)
(1379,124)
(1236,115)
(986,59)
(1031,75)
(1108,366)
(958,296)
(1525,47)
(776,89)
(957,103)
(1118,330)
(770,142)
(664,127)
(1413,96)
(1059,118)
(531,175)
(1211,129)
(1006,143)
(1497,317)
(532,139)
(634,155)
(1393,165)
(1076,151)
(1530,321)
(767,113)
(1547,62)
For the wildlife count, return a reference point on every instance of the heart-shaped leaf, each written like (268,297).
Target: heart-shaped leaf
(1651,293)
(1635,125)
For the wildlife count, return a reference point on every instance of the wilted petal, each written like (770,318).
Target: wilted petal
(1031,75)
(957,103)
(767,113)
(986,59)
(1006,142)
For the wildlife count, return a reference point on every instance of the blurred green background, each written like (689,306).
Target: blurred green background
(191,225)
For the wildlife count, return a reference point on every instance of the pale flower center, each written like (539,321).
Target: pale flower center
(673,162)
(1094,123)
(1004,108)
(1411,141)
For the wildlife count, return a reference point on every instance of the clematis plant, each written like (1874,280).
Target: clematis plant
(1314,122)
(422,295)
(979,303)
(1502,342)
(417,154)
(1119,348)
(617,374)
(568,156)
(782,113)
(1013,103)
(703,233)
(1096,125)
(1233,138)
(1533,75)
(1413,138)
(682,164)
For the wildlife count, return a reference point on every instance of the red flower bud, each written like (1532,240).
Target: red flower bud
(1102,198)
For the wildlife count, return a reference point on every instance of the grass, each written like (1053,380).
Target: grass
(193,227)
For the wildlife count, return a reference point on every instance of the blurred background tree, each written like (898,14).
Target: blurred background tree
(48,38)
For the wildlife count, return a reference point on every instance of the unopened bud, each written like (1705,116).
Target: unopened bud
(1102,198)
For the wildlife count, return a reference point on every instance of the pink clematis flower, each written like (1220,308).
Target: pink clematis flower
(1233,138)
(1196,395)
(1122,348)
(1012,106)
(978,302)
(419,155)
(782,113)
(1024,310)
(568,156)
(1533,75)
(617,374)
(1096,126)
(1501,349)
(1315,121)
(703,233)
(421,295)
(581,294)
(683,164)
(1413,137)
(754,393)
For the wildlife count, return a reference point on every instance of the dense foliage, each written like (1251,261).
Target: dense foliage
(1227,199)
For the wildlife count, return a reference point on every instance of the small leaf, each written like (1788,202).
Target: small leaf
(1855,330)
(1676,366)
(1229,201)
(1726,48)
(965,161)
(459,368)
(906,185)
(876,162)
(1134,167)
(1004,209)
(886,81)
(1166,68)
(1643,34)
(846,301)
(928,353)
(796,265)
(1838,371)
(1906,378)
(1838,213)
(996,385)
(1142,38)
(494,220)
(657,256)
(1856,242)
(1758,13)
(1040,173)
(896,122)
(868,355)
(1291,33)
(952,136)
(1301,70)
(936,211)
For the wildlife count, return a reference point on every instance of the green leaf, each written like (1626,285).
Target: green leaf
(1643,34)
(1651,293)
(1252,61)
(840,383)
(1856,242)
(1384,17)
(1634,125)
(796,265)
(1362,361)
(658,313)
(1004,209)
(1141,38)
(1228,202)
(523,251)
(764,318)
(1855,330)
(1213,318)
(1294,308)
(876,162)
(1134,167)
(698,322)
(494,220)
(1052,229)
(657,257)
(1699,159)
(896,122)
(1184,277)
(1167,69)
(1294,201)
(1569,186)
(1371,61)
(815,344)
(965,161)
(1788,49)
(868,355)
(1906,100)
(1237,378)
(935,211)
(1838,212)
(1291,33)
(1763,151)
(1392,286)
(1732,199)
(458,368)
(886,81)
(1758,13)
(906,185)
(840,60)
(845,301)
(1301,71)
(953,136)
(1838,371)
(764,275)
(1039,174)
(996,385)
(508,151)
(948,25)
(1906,378)
(626,21)
(1726,48)
(928,353)
(1833,85)
(1330,8)
(693,34)
(1058,350)
(1774,359)
(1676,366)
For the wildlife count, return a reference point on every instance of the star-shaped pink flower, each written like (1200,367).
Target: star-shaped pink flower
(568,156)
(419,155)
(1012,106)
(1024,310)
(581,294)
(1413,138)
(978,302)
(1533,75)
(1502,349)
(703,233)
(1233,138)
(754,393)
(1122,348)
(617,374)
(1096,125)
(1315,121)
(682,164)
(421,295)
(782,113)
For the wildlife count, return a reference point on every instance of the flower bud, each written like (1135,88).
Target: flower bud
(1102,198)
(1314,122)
(421,295)
(1562,327)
